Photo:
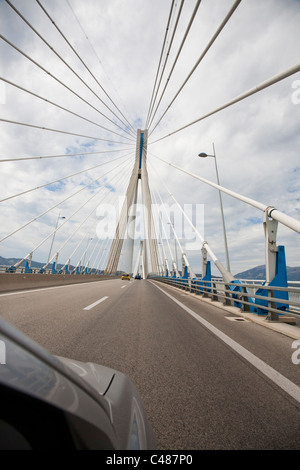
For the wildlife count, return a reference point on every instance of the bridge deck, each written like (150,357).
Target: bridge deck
(198,389)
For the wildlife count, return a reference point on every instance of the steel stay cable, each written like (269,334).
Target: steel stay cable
(92,253)
(203,241)
(267,83)
(98,59)
(148,218)
(84,254)
(56,53)
(217,33)
(61,179)
(58,228)
(61,107)
(105,259)
(173,229)
(56,205)
(176,58)
(82,61)
(160,59)
(55,230)
(59,131)
(61,156)
(165,234)
(97,250)
(122,222)
(101,255)
(97,255)
(165,62)
(287,220)
(122,177)
(173,260)
(83,222)
(60,82)
(107,240)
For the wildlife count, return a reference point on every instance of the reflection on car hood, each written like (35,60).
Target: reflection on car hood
(97,376)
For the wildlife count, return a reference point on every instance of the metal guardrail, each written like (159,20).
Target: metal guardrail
(22,270)
(276,303)
(247,294)
(3,269)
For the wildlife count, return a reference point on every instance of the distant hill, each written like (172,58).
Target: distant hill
(12,261)
(259,272)
(34,264)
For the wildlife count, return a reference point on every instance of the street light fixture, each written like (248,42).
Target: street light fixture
(204,155)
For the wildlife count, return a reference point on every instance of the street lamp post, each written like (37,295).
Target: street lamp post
(175,244)
(54,233)
(204,155)
(87,246)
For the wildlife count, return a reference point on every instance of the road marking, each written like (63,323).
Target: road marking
(89,307)
(285,384)
(123,287)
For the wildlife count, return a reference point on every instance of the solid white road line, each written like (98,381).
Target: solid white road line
(285,384)
(89,307)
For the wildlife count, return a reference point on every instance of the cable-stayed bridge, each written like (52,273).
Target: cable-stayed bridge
(100,198)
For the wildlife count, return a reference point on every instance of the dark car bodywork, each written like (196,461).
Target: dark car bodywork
(47,402)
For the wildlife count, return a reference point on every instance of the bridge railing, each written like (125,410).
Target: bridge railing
(275,303)
(22,270)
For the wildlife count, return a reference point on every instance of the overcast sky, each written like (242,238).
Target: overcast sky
(257,141)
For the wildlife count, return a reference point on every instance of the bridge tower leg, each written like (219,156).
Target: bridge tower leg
(127,215)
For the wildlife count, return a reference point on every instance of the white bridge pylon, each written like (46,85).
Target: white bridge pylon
(126,223)
(139,263)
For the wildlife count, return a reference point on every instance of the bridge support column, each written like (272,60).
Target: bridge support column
(187,273)
(276,273)
(28,269)
(67,268)
(206,274)
(166,268)
(54,271)
(271,250)
(175,272)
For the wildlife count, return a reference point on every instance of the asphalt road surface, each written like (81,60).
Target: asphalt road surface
(208,381)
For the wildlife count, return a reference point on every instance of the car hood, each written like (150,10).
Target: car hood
(90,396)
(126,409)
(97,376)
